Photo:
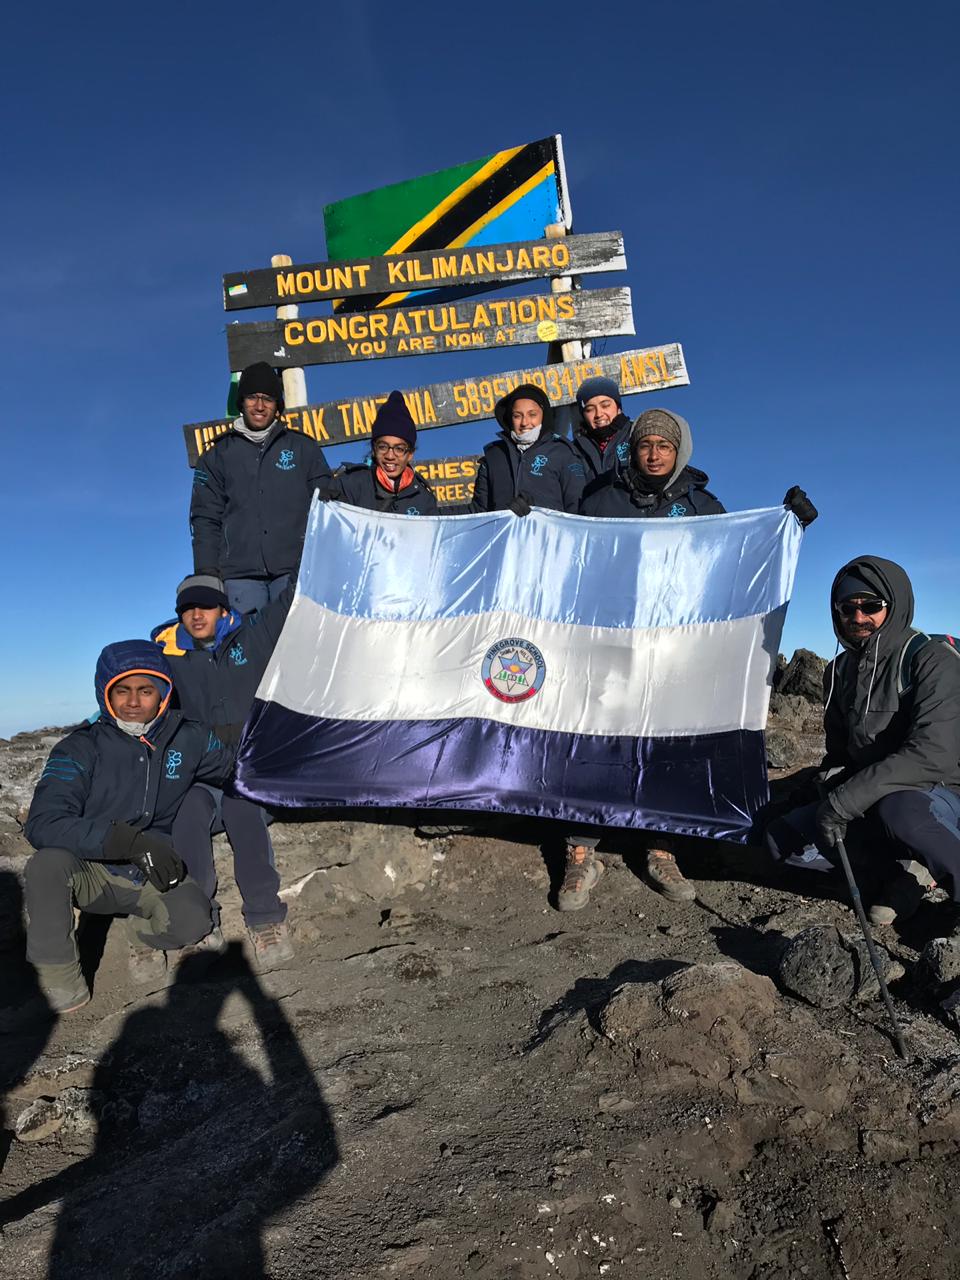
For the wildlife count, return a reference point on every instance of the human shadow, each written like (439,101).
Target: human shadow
(26,1019)
(205,1135)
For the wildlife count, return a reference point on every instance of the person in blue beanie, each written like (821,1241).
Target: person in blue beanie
(101,821)
(602,438)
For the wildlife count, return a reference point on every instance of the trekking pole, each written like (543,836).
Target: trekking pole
(871,950)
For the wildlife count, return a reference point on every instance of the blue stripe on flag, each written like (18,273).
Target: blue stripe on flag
(555,567)
(709,785)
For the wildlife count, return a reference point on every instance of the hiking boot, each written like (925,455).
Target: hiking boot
(272,945)
(900,898)
(213,945)
(582,872)
(666,878)
(64,987)
(146,965)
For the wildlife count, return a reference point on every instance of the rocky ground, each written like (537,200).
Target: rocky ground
(454,1080)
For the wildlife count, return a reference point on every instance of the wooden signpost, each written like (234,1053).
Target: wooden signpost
(444,404)
(430,330)
(452,479)
(386,280)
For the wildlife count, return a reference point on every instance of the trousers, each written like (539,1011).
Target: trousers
(253,860)
(57,879)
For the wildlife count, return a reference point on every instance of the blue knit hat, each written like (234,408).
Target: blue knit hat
(597,387)
(393,419)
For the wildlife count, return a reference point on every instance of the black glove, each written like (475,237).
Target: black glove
(831,828)
(326,489)
(520,506)
(796,500)
(151,853)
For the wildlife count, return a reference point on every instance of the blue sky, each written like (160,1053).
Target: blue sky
(784,176)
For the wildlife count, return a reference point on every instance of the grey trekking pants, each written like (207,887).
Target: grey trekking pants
(56,880)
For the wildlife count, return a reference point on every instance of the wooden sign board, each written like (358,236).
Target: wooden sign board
(445,404)
(430,330)
(385,281)
(510,195)
(451,479)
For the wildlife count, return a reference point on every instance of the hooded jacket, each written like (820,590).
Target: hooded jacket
(248,513)
(217,685)
(614,457)
(626,494)
(99,776)
(549,473)
(358,485)
(887,739)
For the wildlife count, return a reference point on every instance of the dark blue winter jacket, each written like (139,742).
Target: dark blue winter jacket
(358,485)
(99,776)
(217,685)
(624,494)
(614,457)
(249,508)
(549,474)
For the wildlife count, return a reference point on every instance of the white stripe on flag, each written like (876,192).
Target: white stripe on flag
(662,682)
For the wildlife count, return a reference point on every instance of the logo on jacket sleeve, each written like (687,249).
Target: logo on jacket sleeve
(411,511)
(678,509)
(623,451)
(286,461)
(537,465)
(513,670)
(172,763)
(237,656)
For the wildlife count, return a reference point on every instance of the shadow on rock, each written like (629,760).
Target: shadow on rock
(591,995)
(204,1136)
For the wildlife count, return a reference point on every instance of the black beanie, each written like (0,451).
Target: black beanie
(850,585)
(393,419)
(260,379)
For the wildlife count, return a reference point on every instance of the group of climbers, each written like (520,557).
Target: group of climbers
(123,816)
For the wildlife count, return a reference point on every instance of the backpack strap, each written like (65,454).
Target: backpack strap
(908,655)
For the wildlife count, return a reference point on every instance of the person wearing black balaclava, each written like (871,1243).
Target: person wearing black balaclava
(891,773)
(528,465)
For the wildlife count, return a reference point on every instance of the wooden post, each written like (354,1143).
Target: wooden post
(294,380)
(575,349)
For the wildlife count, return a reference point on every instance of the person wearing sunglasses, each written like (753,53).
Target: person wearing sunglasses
(251,493)
(889,784)
(387,481)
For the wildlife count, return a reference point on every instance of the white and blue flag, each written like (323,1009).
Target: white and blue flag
(614,672)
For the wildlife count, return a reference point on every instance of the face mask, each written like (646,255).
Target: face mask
(523,439)
(134,728)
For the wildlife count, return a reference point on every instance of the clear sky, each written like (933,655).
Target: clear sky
(785,177)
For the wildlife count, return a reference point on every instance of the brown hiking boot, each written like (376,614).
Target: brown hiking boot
(901,897)
(665,876)
(272,945)
(582,872)
(64,987)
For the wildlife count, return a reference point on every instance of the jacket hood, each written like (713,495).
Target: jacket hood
(684,451)
(891,583)
(128,657)
(174,638)
(526,391)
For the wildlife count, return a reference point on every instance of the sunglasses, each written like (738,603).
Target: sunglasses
(849,608)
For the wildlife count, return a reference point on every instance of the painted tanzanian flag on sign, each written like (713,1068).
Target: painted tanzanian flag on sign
(510,195)
(614,672)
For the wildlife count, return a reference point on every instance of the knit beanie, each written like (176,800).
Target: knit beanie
(597,387)
(393,419)
(850,585)
(260,379)
(201,589)
(656,422)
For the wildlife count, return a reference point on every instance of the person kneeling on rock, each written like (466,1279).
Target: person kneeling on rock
(217,657)
(100,822)
(891,772)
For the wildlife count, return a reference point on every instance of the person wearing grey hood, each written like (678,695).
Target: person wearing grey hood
(251,492)
(891,773)
(658,482)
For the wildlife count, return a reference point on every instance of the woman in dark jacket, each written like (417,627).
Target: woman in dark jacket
(529,460)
